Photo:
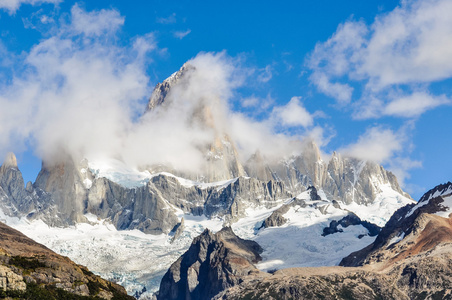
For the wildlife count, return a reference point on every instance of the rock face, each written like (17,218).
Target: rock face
(64,182)
(143,208)
(346,179)
(315,283)
(415,247)
(213,263)
(30,269)
(17,200)
(277,217)
(12,185)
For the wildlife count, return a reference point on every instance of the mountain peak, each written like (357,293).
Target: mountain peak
(160,91)
(10,160)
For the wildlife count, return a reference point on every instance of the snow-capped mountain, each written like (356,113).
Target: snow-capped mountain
(143,217)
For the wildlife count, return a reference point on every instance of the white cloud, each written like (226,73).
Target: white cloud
(13,5)
(384,146)
(293,114)
(258,104)
(413,43)
(401,166)
(250,102)
(376,144)
(95,23)
(75,95)
(402,49)
(414,105)
(181,34)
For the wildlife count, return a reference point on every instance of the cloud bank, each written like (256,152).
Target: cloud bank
(80,93)
(401,52)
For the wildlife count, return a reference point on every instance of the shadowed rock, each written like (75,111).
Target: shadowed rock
(213,263)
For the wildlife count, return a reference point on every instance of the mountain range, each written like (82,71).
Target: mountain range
(129,223)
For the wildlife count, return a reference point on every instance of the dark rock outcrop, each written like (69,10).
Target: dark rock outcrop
(178,230)
(213,263)
(348,220)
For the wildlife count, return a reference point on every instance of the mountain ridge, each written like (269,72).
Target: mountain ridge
(413,265)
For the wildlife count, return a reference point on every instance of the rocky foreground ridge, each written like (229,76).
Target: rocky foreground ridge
(411,258)
(29,270)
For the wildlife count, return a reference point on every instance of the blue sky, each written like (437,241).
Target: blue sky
(371,79)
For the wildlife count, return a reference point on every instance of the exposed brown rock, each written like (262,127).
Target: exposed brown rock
(25,262)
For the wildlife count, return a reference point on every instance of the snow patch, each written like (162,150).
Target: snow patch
(396,239)
(414,208)
(448,204)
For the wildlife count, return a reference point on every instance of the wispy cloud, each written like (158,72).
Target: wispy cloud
(95,23)
(377,144)
(13,5)
(414,104)
(265,74)
(171,19)
(181,34)
(293,114)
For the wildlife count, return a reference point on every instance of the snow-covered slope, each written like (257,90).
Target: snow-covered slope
(137,260)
